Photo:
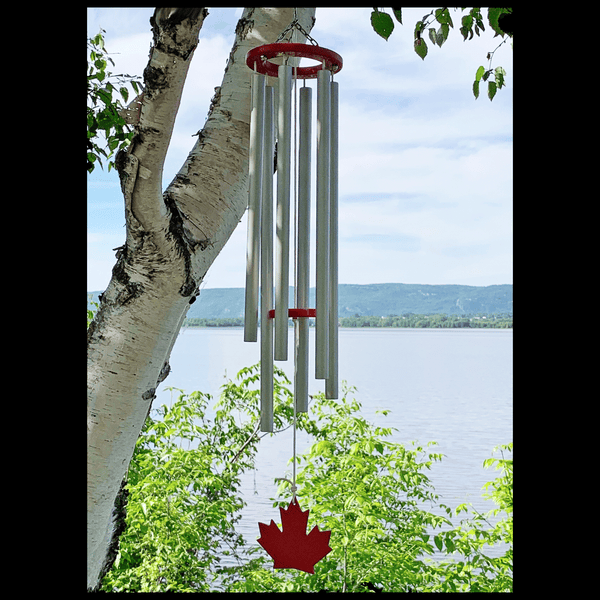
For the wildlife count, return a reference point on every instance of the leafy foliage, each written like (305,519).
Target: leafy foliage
(476,571)
(370,493)
(373,494)
(199,322)
(497,321)
(102,108)
(91,312)
(183,502)
(500,21)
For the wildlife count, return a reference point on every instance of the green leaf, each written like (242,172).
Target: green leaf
(443,17)
(372,520)
(438,542)
(419,27)
(124,93)
(398,14)
(421,48)
(320,448)
(493,14)
(479,73)
(382,24)
(105,123)
(467,23)
(105,96)
(499,74)
(432,36)
(491,89)
(442,34)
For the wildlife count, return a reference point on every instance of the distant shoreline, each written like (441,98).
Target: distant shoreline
(407,321)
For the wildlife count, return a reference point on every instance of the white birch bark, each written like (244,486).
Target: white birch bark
(172,239)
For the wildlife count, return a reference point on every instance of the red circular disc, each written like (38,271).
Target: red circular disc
(261,55)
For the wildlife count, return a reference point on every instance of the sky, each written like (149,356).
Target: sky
(425,169)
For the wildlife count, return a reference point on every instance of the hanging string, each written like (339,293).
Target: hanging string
(294,488)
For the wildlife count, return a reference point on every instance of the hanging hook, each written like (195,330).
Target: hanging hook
(294,487)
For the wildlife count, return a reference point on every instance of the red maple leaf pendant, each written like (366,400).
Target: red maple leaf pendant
(292,548)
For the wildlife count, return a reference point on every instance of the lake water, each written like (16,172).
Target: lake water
(452,386)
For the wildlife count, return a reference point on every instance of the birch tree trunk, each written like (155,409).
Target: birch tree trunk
(172,239)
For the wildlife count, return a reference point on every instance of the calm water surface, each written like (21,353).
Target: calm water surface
(452,386)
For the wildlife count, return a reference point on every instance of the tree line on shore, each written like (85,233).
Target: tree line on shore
(497,321)
(502,321)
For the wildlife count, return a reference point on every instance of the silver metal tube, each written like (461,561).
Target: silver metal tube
(266,273)
(282,263)
(322,275)
(331,384)
(254,199)
(303,250)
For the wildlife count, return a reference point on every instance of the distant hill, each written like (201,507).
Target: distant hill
(379,299)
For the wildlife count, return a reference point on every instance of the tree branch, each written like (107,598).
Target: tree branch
(175,39)
(211,187)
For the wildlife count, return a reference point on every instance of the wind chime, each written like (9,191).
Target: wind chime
(292,548)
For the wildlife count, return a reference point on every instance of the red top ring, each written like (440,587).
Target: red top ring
(261,54)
